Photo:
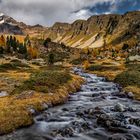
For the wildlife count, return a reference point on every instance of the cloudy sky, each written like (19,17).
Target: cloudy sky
(47,12)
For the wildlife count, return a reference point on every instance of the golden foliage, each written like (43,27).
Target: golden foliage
(33,52)
(86,64)
(86,50)
(2,41)
(20,38)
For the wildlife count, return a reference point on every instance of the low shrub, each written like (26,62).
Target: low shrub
(103,68)
(94,67)
(133,67)
(77,61)
(128,78)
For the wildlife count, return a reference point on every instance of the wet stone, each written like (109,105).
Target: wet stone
(66,132)
(65,109)
(120,94)
(115,124)
(131,109)
(45,106)
(119,107)
(117,137)
(32,111)
(130,95)
(135,121)
(39,118)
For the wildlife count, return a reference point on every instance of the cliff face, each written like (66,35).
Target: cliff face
(98,31)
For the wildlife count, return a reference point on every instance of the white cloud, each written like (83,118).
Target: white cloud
(47,12)
(81,14)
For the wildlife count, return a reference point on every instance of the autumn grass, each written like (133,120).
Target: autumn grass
(107,70)
(15,109)
(44,81)
(133,89)
(13,65)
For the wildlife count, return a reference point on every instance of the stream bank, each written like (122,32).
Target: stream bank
(100,110)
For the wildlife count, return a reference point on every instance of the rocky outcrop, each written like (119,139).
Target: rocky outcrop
(58,30)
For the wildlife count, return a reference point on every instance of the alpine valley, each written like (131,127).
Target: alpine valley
(71,81)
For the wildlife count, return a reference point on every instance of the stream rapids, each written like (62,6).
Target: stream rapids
(99,111)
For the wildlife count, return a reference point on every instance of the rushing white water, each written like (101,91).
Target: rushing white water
(99,111)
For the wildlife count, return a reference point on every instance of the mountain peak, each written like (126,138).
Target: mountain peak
(8,25)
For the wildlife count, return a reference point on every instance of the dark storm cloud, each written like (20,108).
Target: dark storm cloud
(47,12)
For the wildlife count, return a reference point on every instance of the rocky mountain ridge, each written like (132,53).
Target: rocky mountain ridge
(98,31)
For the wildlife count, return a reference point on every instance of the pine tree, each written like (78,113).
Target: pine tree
(8,50)
(14,44)
(22,49)
(46,42)
(1,50)
(51,59)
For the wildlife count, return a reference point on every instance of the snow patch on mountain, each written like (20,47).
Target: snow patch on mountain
(1,18)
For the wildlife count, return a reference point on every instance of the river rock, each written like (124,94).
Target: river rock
(40,118)
(114,123)
(131,109)
(135,121)
(120,94)
(117,129)
(3,93)
(32,111)
(119,107)
(45,106)
(66,132)
(130,95)
(65,109)
(117,137)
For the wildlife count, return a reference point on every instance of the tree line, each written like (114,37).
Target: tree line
(11,45)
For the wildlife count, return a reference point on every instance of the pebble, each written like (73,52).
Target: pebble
(32,111)
(45,106)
